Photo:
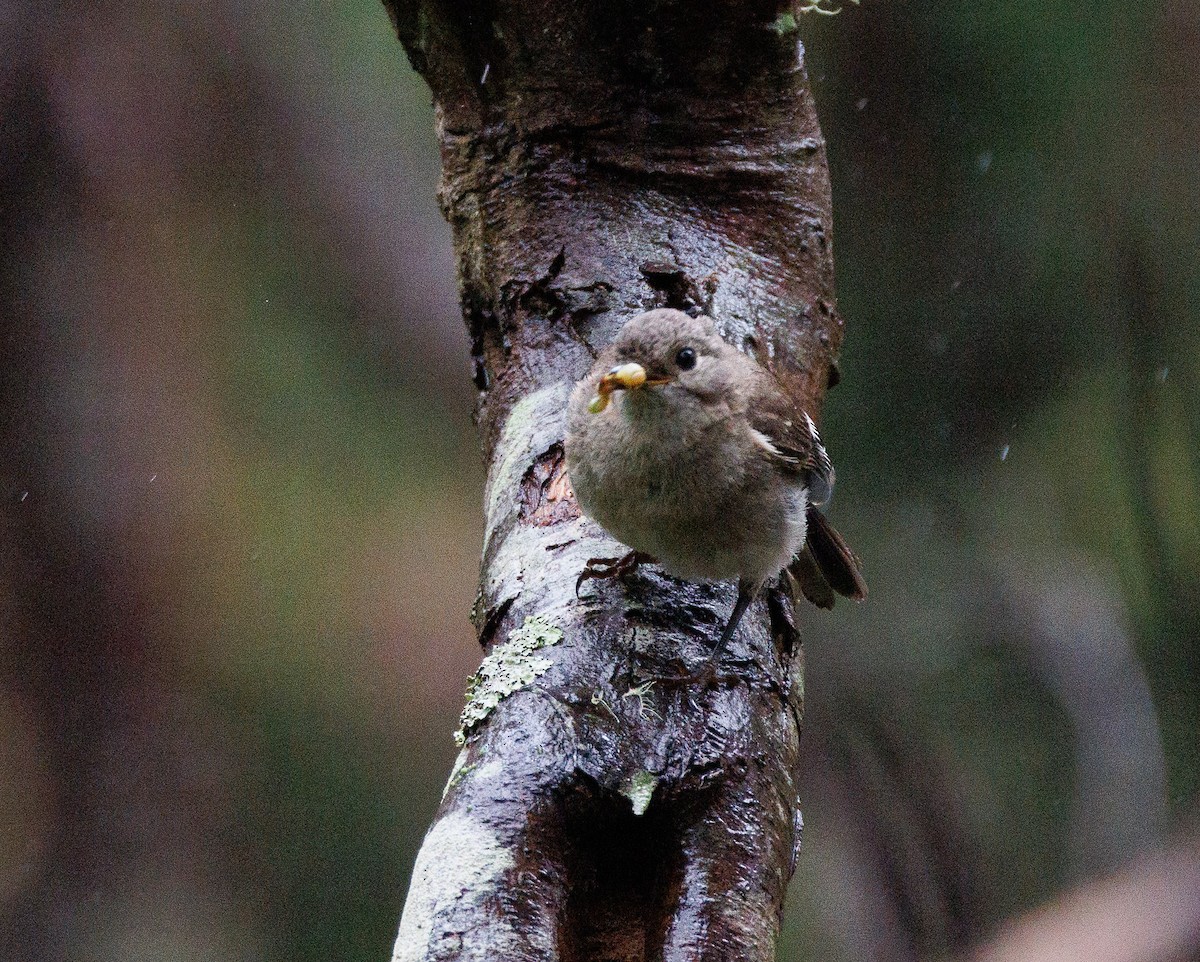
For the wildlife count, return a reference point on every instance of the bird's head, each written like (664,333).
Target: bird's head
(666,349)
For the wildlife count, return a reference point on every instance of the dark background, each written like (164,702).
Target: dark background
(240,491)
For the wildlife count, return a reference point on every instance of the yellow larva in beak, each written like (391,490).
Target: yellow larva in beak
(625,377)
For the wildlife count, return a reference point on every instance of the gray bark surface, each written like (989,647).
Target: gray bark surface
(601,158)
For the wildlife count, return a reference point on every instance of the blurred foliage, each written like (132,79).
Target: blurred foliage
(241,492)
(1016,220)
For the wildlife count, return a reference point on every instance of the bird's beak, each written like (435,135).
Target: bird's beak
(623,377)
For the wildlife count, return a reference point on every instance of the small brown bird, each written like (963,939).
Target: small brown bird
(691,453)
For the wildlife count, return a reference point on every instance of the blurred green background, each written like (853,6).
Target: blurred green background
(240,491)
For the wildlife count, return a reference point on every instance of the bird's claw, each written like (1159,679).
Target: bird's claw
(604,568)
(705,676)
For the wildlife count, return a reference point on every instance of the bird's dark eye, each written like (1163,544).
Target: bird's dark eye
(686,359)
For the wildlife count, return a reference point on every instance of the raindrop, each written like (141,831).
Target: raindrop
(984,161)
(1004,453)
(861,105)
(487,68)
(1162,373)
(24,495)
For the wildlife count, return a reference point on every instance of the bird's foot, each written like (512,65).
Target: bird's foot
(605,568)
(704,677)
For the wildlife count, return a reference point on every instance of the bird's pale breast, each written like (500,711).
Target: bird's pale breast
(673,493)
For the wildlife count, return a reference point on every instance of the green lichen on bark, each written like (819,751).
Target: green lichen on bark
(785,23)
(510,667)
(639,789)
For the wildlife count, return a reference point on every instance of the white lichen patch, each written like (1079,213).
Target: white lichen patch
(641,692)
(459,865)
(639,789)
(818,6)
(510,667)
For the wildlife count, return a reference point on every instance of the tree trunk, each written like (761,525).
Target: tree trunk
(602,157)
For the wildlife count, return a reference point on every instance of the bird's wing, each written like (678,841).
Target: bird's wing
(788,434)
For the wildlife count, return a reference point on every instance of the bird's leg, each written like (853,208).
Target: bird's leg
(604,568)
(746,594)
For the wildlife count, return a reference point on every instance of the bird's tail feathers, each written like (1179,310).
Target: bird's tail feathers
(806,575)
(827,565)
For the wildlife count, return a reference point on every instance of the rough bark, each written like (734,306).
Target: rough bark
(602,157)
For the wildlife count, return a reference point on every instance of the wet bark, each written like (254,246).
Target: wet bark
(602,157)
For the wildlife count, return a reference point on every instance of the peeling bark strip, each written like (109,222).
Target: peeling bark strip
(546,495)
(602,157)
